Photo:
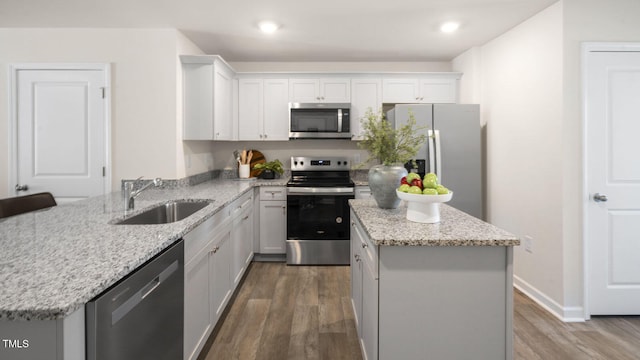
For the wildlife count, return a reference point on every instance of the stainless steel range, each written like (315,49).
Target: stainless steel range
(318,211)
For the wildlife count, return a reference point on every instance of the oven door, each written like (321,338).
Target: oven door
(318,213)
(318,230)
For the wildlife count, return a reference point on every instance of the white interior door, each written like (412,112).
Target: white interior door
(612,105)
(60,132)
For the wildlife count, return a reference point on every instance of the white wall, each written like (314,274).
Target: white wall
(518,79)
(470,85)
(584,20)
(518,75)
(143,90)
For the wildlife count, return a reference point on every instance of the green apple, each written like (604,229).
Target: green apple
(442,190)
(404,188)
(430,181)
(431,176)
(415,190)
(430,191)
(412,176)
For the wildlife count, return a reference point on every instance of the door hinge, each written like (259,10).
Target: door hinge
(104,92)
(104,171)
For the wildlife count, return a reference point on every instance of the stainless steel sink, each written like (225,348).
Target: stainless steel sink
(165,213)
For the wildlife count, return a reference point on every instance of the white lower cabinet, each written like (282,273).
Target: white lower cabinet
(217,254)
(221,284)
(242,239)
(273,219)
(364,291)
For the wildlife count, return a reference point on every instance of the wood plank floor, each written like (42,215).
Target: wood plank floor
(304,312)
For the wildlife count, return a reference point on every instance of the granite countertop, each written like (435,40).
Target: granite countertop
(387,227)
(54,261)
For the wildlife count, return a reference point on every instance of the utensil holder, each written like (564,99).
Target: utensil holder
(243,171)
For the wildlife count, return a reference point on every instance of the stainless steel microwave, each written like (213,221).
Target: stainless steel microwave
(319,121)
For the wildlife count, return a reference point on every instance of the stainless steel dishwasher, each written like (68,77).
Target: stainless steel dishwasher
(141,317)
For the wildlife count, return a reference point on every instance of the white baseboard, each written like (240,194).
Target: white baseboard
(565,314)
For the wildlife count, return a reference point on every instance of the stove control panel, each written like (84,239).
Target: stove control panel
(313,163)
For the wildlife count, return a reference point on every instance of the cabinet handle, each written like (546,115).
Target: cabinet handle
(284,210)
(260,136)
(364,246)
(357,257)
(245,218)
(215,249)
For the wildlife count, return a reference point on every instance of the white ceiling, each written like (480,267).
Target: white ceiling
(312,30)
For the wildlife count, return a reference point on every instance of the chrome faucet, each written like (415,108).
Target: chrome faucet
(130,194)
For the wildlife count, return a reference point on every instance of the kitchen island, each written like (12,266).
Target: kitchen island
(430,291)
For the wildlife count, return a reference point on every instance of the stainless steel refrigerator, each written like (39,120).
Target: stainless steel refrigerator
(453,149)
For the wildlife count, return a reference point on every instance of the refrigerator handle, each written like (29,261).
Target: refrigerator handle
(438,156)
(432,164)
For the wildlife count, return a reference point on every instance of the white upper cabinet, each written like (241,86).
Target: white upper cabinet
(365,94)
(332,90)
(263,109)
(207,98)
(437,89)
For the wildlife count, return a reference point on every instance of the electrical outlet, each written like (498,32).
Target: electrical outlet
(528,244)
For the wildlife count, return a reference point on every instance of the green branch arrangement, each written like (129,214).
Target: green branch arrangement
(389,145)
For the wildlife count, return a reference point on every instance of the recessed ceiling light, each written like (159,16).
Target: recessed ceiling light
(449,27)
(268,27)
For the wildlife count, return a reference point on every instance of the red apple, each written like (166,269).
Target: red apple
(416,182)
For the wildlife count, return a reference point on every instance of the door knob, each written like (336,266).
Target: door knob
(22,187)
(597,197)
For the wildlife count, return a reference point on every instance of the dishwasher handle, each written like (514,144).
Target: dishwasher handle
(141,294)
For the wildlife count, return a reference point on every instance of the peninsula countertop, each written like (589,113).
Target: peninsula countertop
(54,261)
(390,227)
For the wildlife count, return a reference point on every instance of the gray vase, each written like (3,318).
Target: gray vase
(383,181)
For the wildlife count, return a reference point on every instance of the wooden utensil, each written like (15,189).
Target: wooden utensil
(257,158)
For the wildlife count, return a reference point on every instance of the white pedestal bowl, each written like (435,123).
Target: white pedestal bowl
(424,208)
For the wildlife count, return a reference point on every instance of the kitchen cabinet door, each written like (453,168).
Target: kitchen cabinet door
(273,226)
(304,90)
(220,272)
(356,274)
(222,103)
(242,238)
(365,94)
(250,109)
(369,328)
(334,90)
(263,109)
(208,100)
(273,219)
(276,109)
(197,309)
(397,91)
(440,88)
(438,91)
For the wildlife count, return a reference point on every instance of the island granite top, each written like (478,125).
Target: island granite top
(54,261)
(390,227)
